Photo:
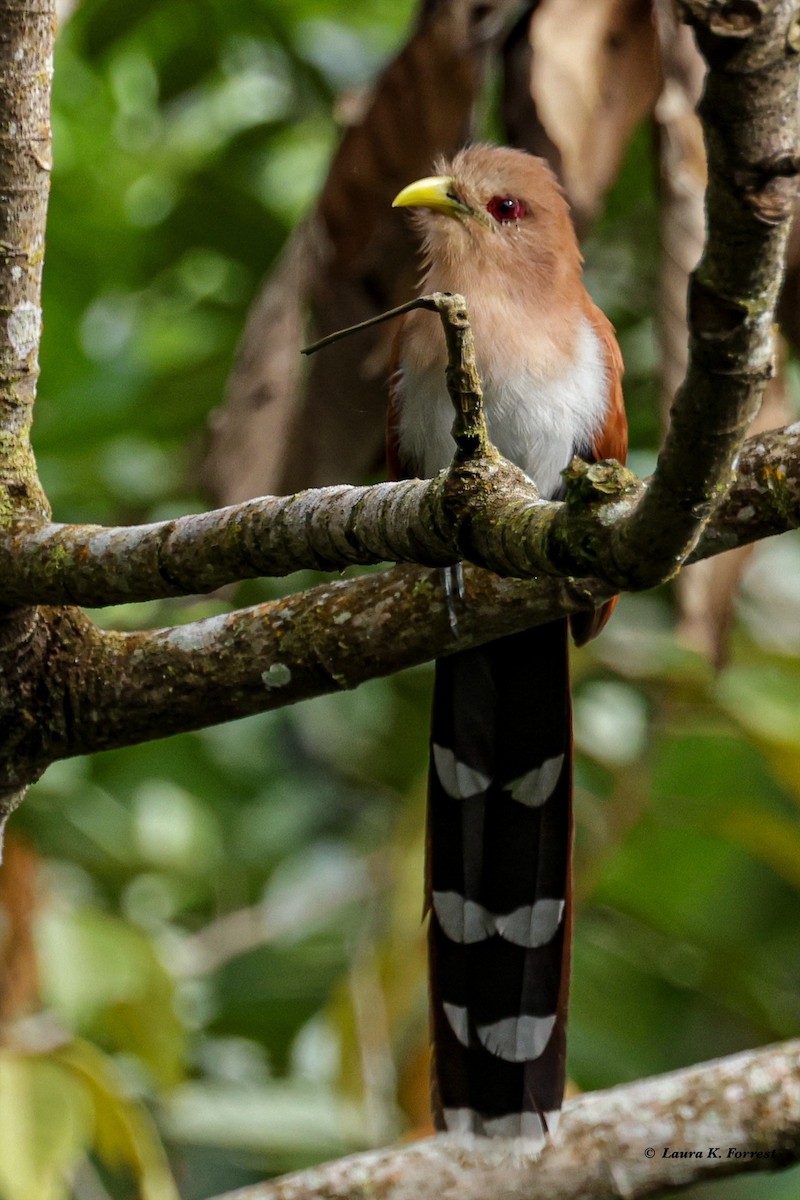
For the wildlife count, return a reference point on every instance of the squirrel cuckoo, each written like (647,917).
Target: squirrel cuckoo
(496,228)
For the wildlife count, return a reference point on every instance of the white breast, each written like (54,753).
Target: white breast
(537,420)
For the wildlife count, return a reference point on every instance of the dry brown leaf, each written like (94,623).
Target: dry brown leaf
(285,426)
(682,184)
(523,127)
(789,303)
(414,1090)
(18,905)
(706,592)
(594,74)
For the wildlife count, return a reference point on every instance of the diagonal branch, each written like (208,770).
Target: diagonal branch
(483,509)
(655,1136)
(109,689)
(749,115)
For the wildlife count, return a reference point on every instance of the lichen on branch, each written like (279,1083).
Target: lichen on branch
(655,1136)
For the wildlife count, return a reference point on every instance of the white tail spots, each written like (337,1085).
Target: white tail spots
(537,786)
(458,1017)
(462,920)
(453,581)
(466,921)
(551,1120)
(461,1120)
(527,1125)
(517,1039)
(532,924)
(458,780)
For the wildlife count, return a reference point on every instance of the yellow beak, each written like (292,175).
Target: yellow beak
(436,192)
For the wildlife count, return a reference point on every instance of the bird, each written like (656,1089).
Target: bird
(495,227)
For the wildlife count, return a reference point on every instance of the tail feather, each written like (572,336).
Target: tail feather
(499,846)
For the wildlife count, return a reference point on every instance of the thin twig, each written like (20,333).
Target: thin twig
(432,303)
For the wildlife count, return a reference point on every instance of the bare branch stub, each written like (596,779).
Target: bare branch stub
(470,432)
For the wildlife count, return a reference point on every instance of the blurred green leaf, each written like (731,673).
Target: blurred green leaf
(124,1134)
(301,1121)
(764,699)
(104,979)
(46,1125)
(773,839)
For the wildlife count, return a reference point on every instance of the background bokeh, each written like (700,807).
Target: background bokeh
(228,949)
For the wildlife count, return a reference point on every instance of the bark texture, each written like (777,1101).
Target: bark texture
(26,68)
(654,1137)
(67,687)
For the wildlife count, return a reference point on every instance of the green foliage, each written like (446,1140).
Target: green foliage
(57,1106)
(229,924)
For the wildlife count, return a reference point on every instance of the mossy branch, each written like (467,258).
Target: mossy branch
(613,532)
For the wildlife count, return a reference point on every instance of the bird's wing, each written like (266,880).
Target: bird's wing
(611,441)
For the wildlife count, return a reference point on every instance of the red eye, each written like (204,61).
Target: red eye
(506,208)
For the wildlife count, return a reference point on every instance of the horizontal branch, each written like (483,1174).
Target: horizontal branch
(110,689)
(484,510)
(612,533)
(658,1135)
(324,529)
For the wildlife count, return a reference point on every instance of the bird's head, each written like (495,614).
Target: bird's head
(493,205)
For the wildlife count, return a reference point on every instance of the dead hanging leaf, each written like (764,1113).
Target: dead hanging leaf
(18,909)
(789,303)
(593,74)
(706,592)
(682,185)
(285,425)
(521,120)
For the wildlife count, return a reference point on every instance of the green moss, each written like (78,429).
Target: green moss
(424,588)
(60,557)
(773,477)
(20,490)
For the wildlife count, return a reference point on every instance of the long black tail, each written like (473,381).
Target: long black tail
(499,861)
